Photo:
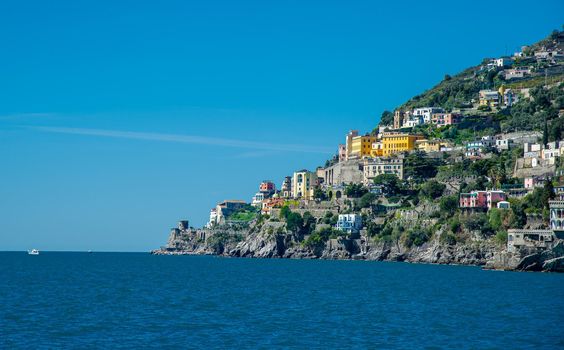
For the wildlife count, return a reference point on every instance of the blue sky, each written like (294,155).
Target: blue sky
(117,118)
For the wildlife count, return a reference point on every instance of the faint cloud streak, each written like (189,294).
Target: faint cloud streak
(188,139)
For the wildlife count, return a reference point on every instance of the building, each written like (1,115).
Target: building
(477,147)
(213,218)
(444,119)
(502,62)
(531,150)
(432,145)
(398,142)
(377,149)
(531,239)
(551,151)
(344,173)
(272,203)
(545,54)
(342,153)
(489,98)
(516,73)
(559,190)
(379,166)
(503,205)
(267,187)
(507,97)
(482,199)
(223,209)
(557,218)
(303,184)
(350,223)
(399,117)
(532,182)
(258,198)
(427,113)
(361,146)
(349,142)
(286,188)
(503,144)
(413,121)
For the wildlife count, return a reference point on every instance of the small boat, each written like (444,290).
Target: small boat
(89,252)
(33,252)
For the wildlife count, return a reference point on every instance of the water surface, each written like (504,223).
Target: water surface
(125,300)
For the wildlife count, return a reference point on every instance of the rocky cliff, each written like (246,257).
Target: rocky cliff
(271,240)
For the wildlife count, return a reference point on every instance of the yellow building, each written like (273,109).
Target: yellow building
(432,145)
(303,184)
(398,142)
(377,149)
(361,146)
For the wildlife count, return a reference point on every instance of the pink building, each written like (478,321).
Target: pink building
(342,153)
(267,186)
(442,119)
(482,199)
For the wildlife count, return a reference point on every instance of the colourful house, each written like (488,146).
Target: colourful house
(303,184)
(443,119)
(482,199)
(398,142)
(361,146)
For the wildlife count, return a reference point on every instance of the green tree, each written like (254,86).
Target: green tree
(548,193)
(389,183)
(319,194)
(545,133)
(387,118)
(495,219)
(294,222)
(449,205)
(367,199)
(419,167)
(355,190)
(309,222)
(284,212)
(415,237)
(432,189)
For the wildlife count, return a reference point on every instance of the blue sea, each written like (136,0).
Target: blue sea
(135,300)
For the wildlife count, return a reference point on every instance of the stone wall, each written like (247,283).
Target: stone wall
(346,172)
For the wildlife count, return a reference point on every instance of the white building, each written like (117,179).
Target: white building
(503,62)
(350,223)
(531,150)
(516,73)
(532,239)
(213,218)
(503,144)
(373,167)
(413,120)
(258,198)
(427,113)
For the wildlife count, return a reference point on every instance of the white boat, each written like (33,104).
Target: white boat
(33,252)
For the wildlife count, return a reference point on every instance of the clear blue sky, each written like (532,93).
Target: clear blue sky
(117,118)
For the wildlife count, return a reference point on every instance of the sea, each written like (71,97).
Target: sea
(136,300)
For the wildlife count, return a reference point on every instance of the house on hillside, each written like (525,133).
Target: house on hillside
(350,223)
(482,199)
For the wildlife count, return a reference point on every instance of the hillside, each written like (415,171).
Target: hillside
(459,192)
(539,90)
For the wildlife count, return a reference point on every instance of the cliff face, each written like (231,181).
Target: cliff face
(263,242)
(269,240)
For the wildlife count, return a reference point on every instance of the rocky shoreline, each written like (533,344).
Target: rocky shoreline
(261,243)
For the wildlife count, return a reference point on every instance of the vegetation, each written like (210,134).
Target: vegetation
(246,214)
(318,238)
(355,190)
